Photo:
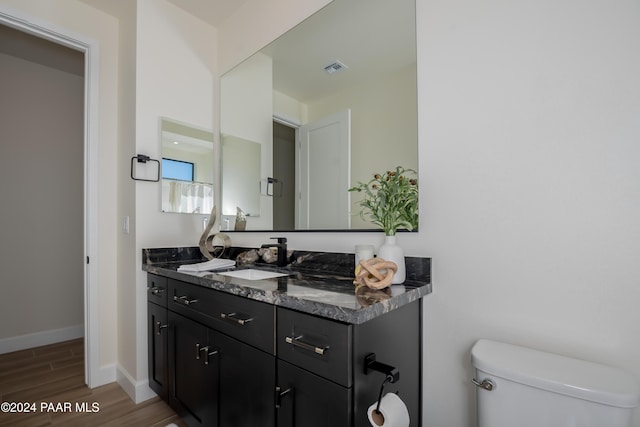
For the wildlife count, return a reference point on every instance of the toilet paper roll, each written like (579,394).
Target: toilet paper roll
(393,412)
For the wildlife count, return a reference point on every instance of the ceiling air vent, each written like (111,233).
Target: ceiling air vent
(335,67)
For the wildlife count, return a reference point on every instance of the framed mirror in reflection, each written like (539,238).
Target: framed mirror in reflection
(330,102)
(187,168)
(240,175)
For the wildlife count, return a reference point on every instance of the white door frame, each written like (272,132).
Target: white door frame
(90,48)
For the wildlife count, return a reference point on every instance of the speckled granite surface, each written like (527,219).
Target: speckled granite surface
(319,283)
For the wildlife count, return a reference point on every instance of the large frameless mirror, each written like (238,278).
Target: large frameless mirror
(329,103)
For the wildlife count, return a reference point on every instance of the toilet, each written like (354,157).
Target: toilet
(519,386)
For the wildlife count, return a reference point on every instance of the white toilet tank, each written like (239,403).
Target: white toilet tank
(537,389)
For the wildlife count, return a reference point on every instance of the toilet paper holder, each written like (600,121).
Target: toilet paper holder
(370,364)
(392,375)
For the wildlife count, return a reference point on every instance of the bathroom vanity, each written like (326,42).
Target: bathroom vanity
(301,349)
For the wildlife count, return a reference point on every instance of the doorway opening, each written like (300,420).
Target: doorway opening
(84,225)
(284,171)
(41,177)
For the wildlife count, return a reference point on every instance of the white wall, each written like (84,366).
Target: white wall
(240,174)
(247,94)
(288,109)
(248,115)
(529,159)
(175,69)
(128,255)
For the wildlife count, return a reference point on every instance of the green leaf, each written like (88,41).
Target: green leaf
(390,200)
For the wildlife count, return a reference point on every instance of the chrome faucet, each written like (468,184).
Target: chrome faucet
(282,250)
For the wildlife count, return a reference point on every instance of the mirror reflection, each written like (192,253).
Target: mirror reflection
(240,175)
(330,102)
(187,168)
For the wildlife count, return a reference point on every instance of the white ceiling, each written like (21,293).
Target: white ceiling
(214,12)
(371,37)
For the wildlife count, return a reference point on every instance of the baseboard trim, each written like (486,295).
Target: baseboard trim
(107,375)
(37,339)
(138,391)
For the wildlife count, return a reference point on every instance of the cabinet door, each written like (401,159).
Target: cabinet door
(247,381)
(194,385)
(305,399)
(158,346)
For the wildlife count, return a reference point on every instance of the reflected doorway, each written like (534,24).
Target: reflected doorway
(284,161)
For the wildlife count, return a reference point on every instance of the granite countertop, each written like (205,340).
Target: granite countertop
(318,283)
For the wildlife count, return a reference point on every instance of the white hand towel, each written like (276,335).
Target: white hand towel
(213,264)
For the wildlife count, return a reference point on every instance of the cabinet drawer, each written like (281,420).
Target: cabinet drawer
(318,345)
(157,289)
(246,320)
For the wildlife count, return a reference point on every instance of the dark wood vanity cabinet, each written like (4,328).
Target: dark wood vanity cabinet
(234,362)
(322,364)
(197,365)
(157,288)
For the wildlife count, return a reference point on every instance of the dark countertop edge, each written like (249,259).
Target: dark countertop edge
(342,314)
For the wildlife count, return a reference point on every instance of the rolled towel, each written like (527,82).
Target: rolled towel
(213,264)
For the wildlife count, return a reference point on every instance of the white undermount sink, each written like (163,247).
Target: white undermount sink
(252,274)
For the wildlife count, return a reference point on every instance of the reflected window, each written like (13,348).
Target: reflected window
(177,169)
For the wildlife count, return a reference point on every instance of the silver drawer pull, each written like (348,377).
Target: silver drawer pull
(184,300)
(231,317)
(160,327)
(279,394)
(155,290)
(207,353)
(297,343)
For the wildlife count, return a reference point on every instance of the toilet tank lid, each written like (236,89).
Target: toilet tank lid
(560,374)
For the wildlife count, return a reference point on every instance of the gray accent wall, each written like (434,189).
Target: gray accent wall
(41,188)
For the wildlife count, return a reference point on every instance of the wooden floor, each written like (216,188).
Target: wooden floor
(50,379)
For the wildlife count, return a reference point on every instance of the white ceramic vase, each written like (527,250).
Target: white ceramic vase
(390,251)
